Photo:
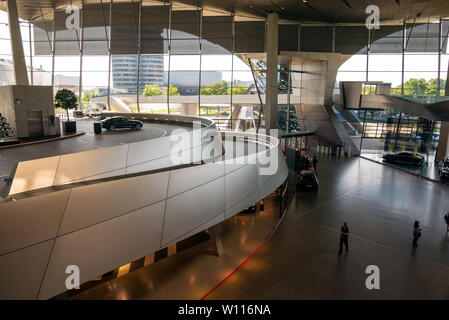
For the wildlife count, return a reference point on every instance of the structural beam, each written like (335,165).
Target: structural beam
(20,68)
(271,104)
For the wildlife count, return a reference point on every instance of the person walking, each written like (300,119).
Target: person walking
(344,235)
(314,163)
(416,233)
(446,219)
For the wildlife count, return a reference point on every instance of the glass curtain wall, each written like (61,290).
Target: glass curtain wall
(146,56)
(413,58)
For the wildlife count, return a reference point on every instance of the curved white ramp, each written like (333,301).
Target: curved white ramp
(103,224)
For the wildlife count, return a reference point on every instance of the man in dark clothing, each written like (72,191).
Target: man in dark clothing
(446,219)
(314,162)
(416,233)
(344,235)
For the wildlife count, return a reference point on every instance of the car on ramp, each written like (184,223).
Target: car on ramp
(114,123)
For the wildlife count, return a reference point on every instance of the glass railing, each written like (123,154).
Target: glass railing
(424,99)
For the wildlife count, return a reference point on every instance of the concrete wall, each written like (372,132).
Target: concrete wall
(17,100)
(7,105)
(314,86)
(351,91)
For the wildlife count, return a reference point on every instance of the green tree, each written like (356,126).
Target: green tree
(237,89)
(151,90)
(173,91)
(87,95)
(216,89)
(432,87)
(66,100)
(420,87)
(415,86)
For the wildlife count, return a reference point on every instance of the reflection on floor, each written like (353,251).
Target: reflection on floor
(189,269)
(301,259)
(379,204)
(428,170)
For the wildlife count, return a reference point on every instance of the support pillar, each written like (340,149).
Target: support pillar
(190,109)
(271,103)
(216,241)
(443,143)
(18,57)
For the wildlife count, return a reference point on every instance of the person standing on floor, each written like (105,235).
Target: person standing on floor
(314,162)
(344,235)
(416,233)
(446,219)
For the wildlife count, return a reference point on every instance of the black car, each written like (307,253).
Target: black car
(114,123)
(307,180)
(443,169)
(404,158)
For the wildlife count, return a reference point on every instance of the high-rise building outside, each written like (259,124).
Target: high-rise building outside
(125,72)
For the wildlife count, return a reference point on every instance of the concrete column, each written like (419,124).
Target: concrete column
(271,105)
(216,240)
(189,109)
(20,69)
(443,144)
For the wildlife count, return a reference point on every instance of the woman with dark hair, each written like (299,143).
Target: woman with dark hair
(416,233)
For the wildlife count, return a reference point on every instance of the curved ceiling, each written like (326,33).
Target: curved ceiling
(324,11)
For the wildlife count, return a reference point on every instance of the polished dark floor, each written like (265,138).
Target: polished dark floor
(380,205)
(301,260)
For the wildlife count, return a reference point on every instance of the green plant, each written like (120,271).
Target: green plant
(151,90)
(216,89)
(66,100)
(172,90)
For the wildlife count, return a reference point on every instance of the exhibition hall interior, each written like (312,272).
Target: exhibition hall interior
(224,150)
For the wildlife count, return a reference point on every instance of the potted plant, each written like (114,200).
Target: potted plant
(66,100)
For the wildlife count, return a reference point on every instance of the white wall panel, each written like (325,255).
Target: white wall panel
(34,174)
(160,163)
(188,178)
(86,164)
(21,272)
(191,209)
(31,220)
(275,160)
(144,151)
(238,207)
(208,224)
(109,174)
(98,202)
(275,180)
(239,184)
(103,247)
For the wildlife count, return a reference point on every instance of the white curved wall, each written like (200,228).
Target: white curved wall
(104,225)
(119,160)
